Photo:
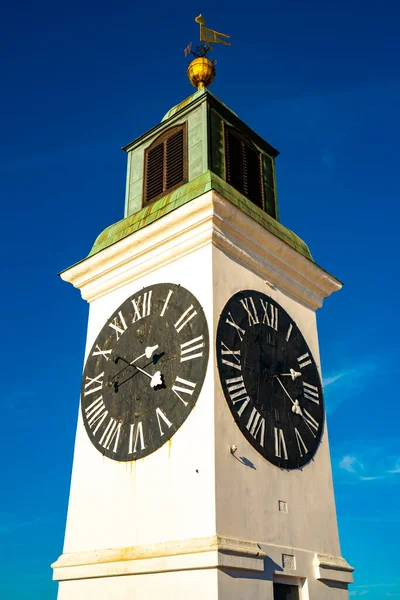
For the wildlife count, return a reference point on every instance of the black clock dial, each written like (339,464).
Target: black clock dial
(270,380)
(145,372)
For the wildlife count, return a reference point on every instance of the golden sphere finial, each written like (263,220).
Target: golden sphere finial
(201,72)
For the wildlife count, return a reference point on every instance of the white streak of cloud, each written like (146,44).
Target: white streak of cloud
(367,461)
(346,384)
(330,380)
(396,468)
(348,463)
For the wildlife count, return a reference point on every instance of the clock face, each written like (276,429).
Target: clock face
(145,372)
(270,379)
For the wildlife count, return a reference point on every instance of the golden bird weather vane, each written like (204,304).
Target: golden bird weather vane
(201,70)
(210,36)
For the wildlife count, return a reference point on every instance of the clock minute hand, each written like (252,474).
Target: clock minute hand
(156,379)
(295,408)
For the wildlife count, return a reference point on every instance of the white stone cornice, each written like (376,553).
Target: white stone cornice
(332,568)
(254,247)
(199,553)
(208,219)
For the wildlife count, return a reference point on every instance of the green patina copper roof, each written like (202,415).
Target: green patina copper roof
(172,111)
(175,109)
(204,183)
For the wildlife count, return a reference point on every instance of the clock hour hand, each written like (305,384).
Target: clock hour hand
(293,374)
(148,353)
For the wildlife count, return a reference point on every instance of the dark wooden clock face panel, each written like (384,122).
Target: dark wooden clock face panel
(145,372)
(270,379)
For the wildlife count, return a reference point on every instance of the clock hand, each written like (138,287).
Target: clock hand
(293,374)
(296,407)
(148,353)
(156,379)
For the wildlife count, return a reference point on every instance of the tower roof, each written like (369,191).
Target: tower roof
(204,95)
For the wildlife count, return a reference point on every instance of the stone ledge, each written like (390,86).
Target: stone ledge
(209,219)
(332,568)
(200,553)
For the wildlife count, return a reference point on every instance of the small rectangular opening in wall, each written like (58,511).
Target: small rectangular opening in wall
(283,591)
(283,507)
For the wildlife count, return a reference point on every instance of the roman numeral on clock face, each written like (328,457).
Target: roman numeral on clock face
(300,443)
(136,437)
(238,393)
(256,426)
(231,322)
(280,444)
(190,350)
(270,319)
(235,354)
(249,306)
(142,306)
(311,423)
(96,412)
(111,434)
(119,325)
(98,351)
(165,305)
(93,384)
(185,318)
(311,392)
(184,387)
(162,417)
(304,360)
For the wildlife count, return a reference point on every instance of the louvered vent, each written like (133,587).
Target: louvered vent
(175,159)
(165,166)
(253,176)
(155,172)
(234,162)
(243,167)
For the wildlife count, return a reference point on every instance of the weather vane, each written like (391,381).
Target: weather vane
(201,70)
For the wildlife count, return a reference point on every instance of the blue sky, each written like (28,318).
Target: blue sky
(319,81)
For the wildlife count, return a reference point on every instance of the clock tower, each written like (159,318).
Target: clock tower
(201,465)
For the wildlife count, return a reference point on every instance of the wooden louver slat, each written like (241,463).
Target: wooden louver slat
(234,162)
(155,171)
(175,159)
(243,167)
(165,164)
(253,171)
